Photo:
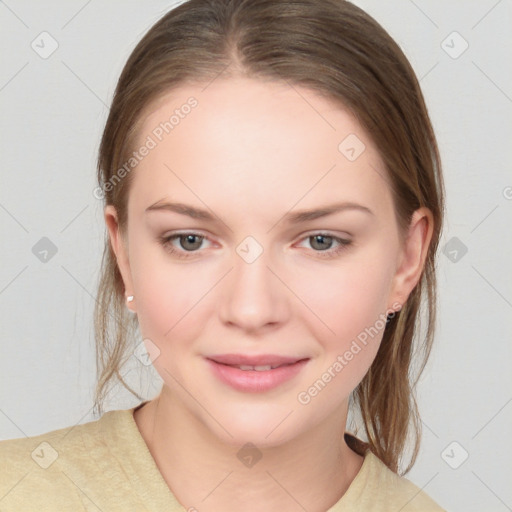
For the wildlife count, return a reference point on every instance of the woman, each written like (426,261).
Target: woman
(273,199)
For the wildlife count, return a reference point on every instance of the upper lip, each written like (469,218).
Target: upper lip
(255,360)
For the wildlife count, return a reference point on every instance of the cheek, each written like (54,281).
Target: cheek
(332,304)
(169,296)
(343,301)
(348,323)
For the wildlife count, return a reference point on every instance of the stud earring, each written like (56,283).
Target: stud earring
(129,298)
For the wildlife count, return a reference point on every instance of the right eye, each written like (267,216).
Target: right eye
(188,241)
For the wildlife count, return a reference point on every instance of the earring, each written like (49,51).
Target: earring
(129,298)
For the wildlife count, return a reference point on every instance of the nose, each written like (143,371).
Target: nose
(253,296)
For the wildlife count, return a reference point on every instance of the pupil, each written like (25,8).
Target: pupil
(323,240)
(190,239)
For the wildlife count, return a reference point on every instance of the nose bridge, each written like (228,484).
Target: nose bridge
(254,296)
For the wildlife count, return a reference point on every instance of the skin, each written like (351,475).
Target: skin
(250,153)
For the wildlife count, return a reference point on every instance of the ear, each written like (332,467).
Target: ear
(413,255)
(120,249)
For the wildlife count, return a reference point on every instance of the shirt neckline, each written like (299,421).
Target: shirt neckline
(150,485)
(140,467)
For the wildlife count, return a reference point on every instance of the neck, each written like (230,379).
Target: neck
(310,472)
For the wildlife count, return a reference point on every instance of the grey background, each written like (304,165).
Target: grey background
(53,111)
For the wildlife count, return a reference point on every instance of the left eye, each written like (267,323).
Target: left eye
(321,240)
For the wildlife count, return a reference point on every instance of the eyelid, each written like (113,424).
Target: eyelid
(174,235)
(183,232)
(327,232)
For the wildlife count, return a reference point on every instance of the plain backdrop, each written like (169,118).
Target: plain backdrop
(53,111)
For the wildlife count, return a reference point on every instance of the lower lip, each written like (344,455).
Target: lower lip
(254,381)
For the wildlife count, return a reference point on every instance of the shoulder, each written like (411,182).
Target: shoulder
(42,451)
(55,465)
(378,489)
(395,492)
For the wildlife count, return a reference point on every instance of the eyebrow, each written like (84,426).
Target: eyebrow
(294,217)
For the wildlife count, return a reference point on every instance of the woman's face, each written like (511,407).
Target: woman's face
(254,283)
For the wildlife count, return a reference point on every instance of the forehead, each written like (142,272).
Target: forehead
(255,140)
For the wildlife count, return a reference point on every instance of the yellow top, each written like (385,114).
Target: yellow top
(106,465)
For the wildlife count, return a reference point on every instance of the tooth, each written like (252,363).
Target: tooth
(262,368)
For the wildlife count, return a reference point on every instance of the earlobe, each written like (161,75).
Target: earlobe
(414,254)
(119,248)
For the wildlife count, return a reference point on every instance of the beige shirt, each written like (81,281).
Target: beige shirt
(105,465)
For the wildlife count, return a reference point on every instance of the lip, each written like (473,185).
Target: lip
(255,360)
(254,381)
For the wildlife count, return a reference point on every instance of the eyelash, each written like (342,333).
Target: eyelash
(327,254)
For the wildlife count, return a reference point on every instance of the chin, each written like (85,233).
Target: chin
(264,425)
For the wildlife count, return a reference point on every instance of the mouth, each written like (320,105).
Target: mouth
(255,361)
(261,368)
(257,368)
(255,373)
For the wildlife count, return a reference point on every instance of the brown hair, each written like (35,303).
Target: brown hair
(337,50)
